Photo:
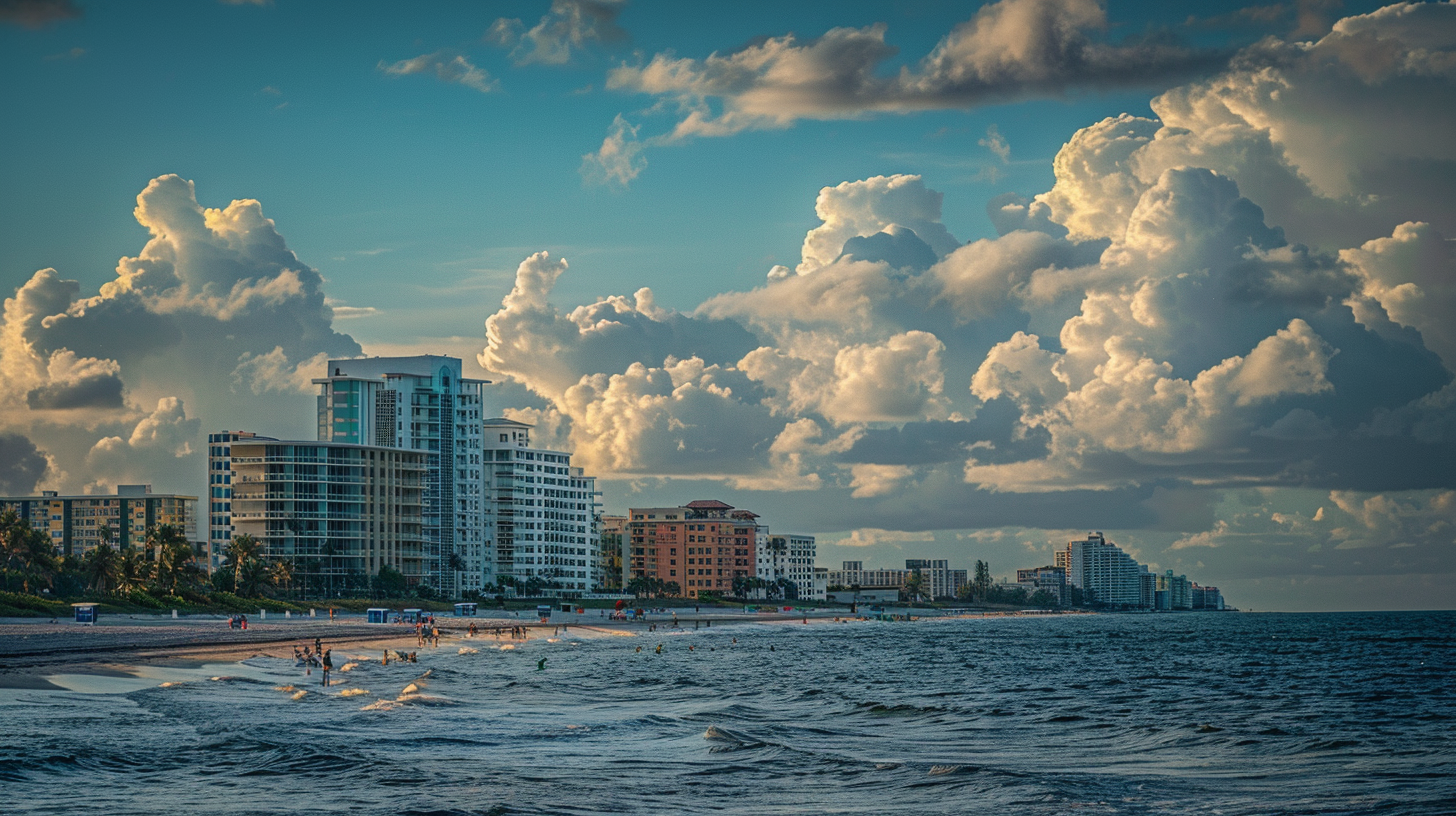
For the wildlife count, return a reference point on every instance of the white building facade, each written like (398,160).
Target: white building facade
(542,513)
(1106,575)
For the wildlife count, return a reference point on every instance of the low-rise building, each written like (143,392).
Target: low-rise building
(1050,579)
(75,524)
(853,574)
(940,581)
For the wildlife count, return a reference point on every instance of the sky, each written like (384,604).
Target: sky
(923,279)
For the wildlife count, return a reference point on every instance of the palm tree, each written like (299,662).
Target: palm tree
(240,551)
(282,574)
(102,566)
(253,578)
(135,570)
(29,553)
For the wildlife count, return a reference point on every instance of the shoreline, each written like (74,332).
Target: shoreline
(33,648)
(30,649)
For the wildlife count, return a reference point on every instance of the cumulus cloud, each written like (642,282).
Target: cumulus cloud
(213,311)
(447,67)
(1384,77)
(568,28)
(73,382)
(859,209)
(1224,328)
(154,445)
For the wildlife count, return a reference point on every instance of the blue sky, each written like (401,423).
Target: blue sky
(413,156)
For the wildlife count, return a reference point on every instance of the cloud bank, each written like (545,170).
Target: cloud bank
(213,314)
(1248,296)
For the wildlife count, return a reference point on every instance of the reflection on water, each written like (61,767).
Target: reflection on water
(1182,714)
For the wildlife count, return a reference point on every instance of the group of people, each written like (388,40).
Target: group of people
(238,622)
(427,630)
(317,656)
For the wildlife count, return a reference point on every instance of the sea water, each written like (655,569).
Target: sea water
(1198,713)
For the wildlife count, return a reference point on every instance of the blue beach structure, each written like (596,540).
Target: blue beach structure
(85,613)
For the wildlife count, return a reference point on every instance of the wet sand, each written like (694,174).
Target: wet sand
(31,649)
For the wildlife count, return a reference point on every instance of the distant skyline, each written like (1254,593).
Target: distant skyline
(923,279)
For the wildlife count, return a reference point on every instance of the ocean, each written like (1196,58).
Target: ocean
(1198,713)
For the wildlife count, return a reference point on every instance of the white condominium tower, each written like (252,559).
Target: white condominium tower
(1106,575)
(422,404)
(545,512)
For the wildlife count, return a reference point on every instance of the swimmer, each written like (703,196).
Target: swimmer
(690,647)
(659,648)
(639,650)
(541,664)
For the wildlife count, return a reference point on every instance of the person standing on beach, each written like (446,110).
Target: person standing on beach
(328,664)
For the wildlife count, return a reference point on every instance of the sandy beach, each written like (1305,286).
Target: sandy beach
(31,648)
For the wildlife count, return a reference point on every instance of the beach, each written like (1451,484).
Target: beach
(31,648)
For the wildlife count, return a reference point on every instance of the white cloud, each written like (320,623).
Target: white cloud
(878,480)
(446,67)
(618,160)
(863,208)
(211,288)
(566,29)
(154,445)
(874,537)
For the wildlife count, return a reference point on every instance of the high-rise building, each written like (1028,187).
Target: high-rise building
(1207,597)
(423,404)
(1173,592)
(339,513)
(543,513)
(74,523)
(1106,575)
(701,546)
(220,529)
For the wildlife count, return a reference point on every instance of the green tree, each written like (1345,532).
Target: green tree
(914,585)
(389,582)
(102,567)
(1042,597)
(135,570)
(240,551)
(673,589)
(253,577)
(282,574)
(175,561)
(981,583)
